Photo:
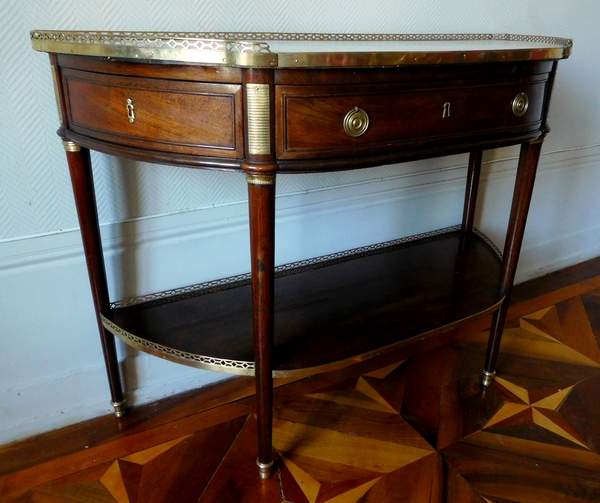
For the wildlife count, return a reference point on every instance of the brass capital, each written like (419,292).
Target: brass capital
(71,146)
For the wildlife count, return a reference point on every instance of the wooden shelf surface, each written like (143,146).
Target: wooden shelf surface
(328,315)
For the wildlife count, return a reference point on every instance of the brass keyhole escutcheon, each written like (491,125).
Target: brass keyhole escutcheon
(130,113)
(446,112)
(356,122)
(520,104)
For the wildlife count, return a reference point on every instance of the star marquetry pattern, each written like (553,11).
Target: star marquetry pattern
(338,461)
(127,477)
(540,406)
(543,413)
(421,430)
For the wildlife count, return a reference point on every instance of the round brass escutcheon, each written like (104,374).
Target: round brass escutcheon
(356,122)
(520,104)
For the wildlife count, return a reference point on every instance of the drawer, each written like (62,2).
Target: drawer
(311,118)
(195,118)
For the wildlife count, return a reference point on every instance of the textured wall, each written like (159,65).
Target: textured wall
(166,227)
(35,195)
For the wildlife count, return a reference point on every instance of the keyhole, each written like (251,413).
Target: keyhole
(130,112)
(446,112)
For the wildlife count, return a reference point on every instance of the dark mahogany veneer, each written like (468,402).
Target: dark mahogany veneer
(323,313)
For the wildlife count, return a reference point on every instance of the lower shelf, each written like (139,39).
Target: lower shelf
(329,312)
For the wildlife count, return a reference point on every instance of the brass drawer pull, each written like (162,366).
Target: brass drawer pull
(130,114)
(520,104)
(356,122)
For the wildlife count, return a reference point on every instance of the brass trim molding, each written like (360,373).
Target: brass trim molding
(239,367)
(235,367)
(246,368)
(290,268)
(252,49)
(209,48)
(57,94)
(71,146)
(259,119)
(260,179)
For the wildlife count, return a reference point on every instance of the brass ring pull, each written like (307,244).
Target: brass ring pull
(356,122)
(130,114)
(520,104)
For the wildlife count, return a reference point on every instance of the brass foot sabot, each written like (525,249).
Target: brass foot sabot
(487,377)
(119,408)
(264,469)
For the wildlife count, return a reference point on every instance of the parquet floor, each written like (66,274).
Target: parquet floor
(416,429)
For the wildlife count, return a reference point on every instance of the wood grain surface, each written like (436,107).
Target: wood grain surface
(417,430)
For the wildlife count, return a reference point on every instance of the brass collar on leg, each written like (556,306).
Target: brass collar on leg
(71,146)
(260,179)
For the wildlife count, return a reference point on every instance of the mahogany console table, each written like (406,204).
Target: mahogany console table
(268,103)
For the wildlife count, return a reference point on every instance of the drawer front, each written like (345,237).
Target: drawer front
(155,114)
(311,118)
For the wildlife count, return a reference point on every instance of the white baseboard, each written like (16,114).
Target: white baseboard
(565,251)
(44,404)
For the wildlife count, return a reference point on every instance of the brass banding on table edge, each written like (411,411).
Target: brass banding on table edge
(240,49)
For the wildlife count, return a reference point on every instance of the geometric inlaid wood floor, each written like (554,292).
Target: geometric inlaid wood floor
(417,429)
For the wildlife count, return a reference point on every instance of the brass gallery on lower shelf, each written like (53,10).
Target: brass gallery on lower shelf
(242,367)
